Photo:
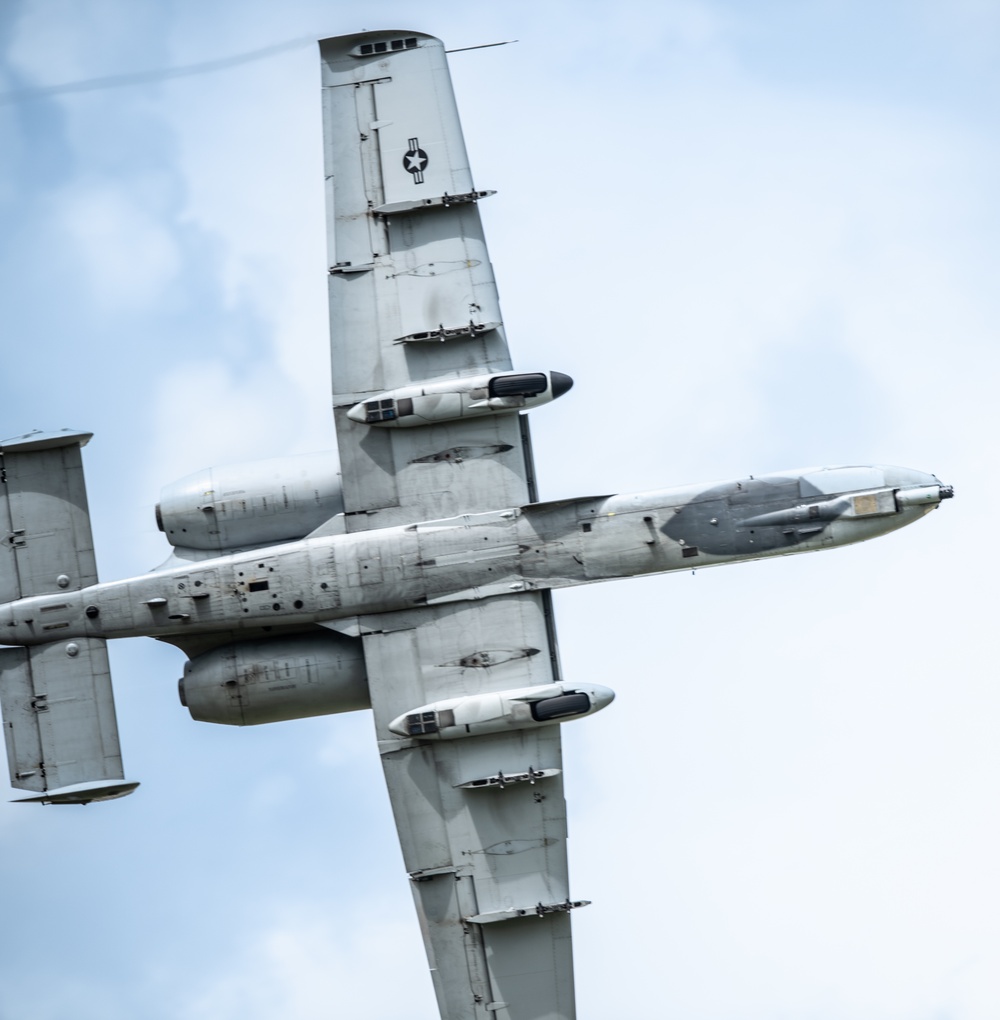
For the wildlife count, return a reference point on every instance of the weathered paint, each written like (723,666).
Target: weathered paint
(477,556)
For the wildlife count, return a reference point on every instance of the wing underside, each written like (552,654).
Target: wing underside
(412,295)
(481,820)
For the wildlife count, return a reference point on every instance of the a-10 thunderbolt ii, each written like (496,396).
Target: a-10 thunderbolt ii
(418,581)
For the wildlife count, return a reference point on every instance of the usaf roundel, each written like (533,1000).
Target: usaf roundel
(415,160)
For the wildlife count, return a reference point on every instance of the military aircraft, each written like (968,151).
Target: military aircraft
(417,581)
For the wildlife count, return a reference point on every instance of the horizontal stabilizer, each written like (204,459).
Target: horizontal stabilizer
(45,540)
(59,717)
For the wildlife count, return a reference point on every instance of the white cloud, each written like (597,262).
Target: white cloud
(126,257)
(316,961)
(218,412)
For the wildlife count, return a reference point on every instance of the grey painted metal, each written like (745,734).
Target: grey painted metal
(56,697)
(244,506)
(475,852)
(59,714)
(339,579)
(425,308)
(393,141)
(47,545)
(247,683)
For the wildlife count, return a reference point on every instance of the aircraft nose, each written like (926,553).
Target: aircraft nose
(917,488)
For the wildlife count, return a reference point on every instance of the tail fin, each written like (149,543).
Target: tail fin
(58,707)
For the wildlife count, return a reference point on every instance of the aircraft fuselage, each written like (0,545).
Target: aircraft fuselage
(538,546)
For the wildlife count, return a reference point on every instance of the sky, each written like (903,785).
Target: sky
(759,235)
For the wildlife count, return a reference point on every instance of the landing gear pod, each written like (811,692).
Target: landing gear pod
(502,711)
(451,399)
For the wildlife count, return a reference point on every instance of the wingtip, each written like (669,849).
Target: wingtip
(83,793)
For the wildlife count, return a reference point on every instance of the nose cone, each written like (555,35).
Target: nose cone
(560,383)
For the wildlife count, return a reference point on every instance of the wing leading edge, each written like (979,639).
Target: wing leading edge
(481,819)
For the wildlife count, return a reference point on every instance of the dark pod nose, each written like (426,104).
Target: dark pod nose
(560,384)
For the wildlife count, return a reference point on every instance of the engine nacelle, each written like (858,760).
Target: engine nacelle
(275,679)
(501,711)
(245,505)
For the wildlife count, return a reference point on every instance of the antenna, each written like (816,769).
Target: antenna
(481,46)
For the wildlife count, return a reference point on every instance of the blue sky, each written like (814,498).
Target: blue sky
(759,236)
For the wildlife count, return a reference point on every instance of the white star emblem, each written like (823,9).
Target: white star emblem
(415,160)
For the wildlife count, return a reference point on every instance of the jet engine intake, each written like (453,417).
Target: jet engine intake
(275,679)
(241,506)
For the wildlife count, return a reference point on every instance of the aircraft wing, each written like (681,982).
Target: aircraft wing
(412,295)
(481,820)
